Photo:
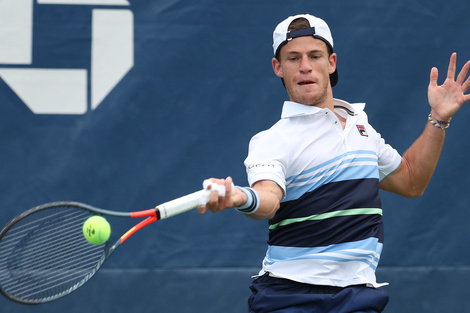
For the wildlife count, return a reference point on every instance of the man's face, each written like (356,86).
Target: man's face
(305,67)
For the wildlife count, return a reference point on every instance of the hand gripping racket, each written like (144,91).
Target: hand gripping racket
(44,255)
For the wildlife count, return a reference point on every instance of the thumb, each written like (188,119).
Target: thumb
(433,77)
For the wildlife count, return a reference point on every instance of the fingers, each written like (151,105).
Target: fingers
(433,77)
(229,192)
(452,64)
(207,184)
(461,78)
(217,200)
(216,194)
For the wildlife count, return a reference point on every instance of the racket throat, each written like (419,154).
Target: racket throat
(152,216)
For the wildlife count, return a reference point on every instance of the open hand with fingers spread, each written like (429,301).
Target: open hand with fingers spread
(445,100)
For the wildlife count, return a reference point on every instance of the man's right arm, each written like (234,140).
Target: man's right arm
(269,194)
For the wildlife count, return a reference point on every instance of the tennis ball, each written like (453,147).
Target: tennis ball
(96,230)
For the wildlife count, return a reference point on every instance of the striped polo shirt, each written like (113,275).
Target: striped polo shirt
(328,230)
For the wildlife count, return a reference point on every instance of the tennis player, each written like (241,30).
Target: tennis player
(315,175)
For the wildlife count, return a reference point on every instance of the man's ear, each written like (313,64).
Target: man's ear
(277,68)
(332,61)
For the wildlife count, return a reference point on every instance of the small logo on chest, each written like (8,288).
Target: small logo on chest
(362,130)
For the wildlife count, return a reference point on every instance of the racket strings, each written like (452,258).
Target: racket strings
(48,238)
(52,268)
(45,254)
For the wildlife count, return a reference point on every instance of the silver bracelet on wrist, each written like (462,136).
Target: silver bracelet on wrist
(439,124)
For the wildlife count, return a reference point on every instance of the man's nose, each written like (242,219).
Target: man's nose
(305,66)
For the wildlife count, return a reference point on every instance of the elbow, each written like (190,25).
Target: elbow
(264,214)
(414,192)
(414,185)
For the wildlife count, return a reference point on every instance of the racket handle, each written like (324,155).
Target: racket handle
(185,203)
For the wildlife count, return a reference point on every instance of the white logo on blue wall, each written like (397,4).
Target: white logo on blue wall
(65,90)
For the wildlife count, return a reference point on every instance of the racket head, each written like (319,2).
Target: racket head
(44,255)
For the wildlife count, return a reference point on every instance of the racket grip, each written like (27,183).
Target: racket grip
(185,203)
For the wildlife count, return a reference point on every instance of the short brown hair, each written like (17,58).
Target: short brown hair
(301,23)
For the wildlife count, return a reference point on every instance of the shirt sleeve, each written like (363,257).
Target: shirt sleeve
(388,158)
(267,158)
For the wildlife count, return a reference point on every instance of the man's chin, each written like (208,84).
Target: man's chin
(310,100)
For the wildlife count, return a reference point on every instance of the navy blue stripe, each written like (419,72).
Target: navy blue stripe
(327,232)
(344,195)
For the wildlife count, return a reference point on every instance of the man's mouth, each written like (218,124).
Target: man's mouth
(305,82)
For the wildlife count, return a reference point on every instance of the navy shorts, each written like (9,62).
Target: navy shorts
(277,295)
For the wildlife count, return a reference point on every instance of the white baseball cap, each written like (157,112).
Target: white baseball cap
(318,29)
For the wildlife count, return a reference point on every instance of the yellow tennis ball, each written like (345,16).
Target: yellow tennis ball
(96,230)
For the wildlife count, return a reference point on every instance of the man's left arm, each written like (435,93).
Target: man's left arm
(419,161)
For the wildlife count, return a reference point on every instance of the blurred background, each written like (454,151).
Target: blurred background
(128,104)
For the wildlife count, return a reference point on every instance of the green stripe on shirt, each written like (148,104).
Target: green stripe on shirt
(369,211)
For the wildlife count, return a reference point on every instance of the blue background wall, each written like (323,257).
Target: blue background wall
(201,86)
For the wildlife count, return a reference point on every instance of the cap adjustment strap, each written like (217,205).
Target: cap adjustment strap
(300,33)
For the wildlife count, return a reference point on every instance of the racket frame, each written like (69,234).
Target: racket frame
(162,211)
(108,249)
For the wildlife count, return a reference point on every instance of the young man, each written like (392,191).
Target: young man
(316,173)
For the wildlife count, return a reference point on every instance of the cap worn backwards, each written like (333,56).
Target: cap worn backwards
(318,29)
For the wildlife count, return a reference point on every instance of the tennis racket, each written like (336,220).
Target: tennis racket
(44,255)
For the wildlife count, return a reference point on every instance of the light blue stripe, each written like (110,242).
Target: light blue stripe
(283,254)
(366,152)
(349,173)
(319,174)
(368,256)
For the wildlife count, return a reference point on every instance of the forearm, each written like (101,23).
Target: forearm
(269,202)
(422,158)
(418,164)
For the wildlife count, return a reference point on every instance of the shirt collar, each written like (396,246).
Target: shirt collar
(291,109)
